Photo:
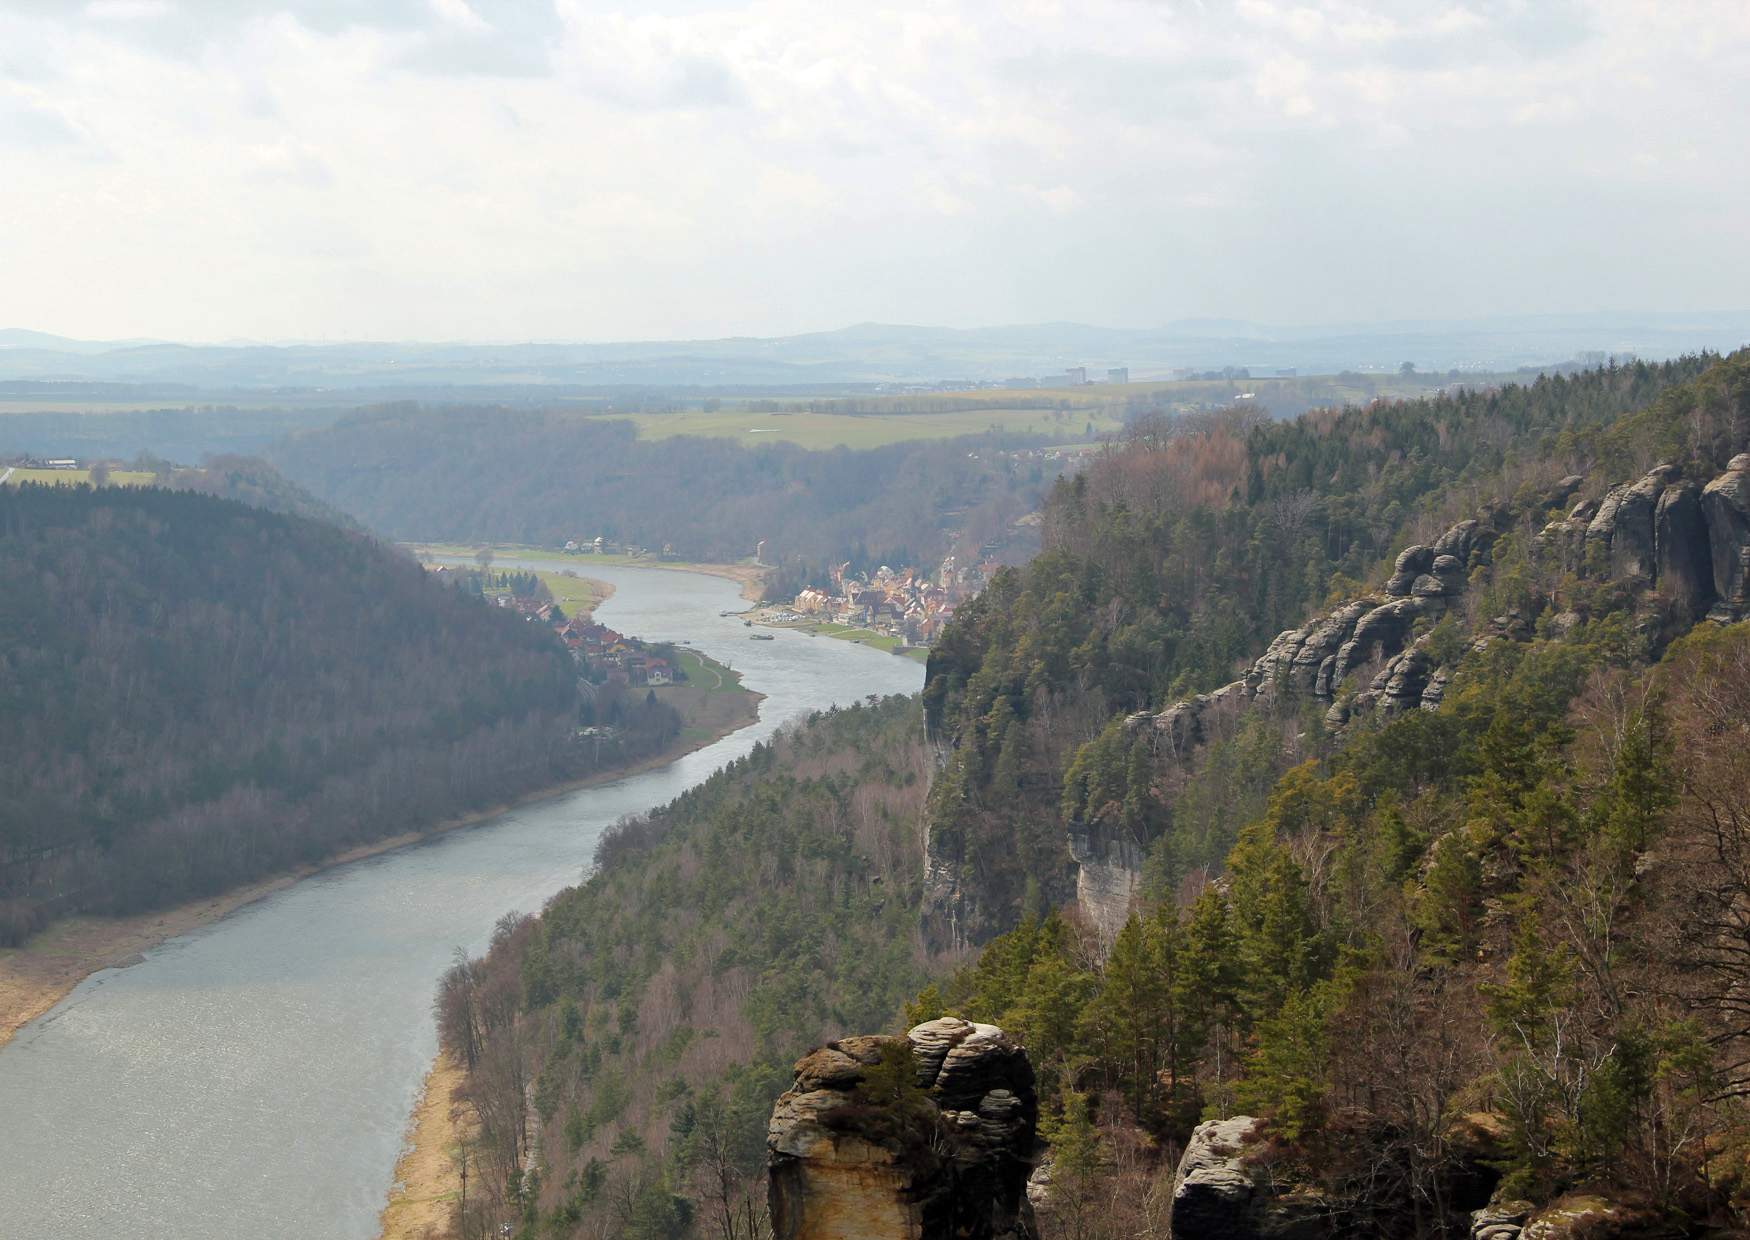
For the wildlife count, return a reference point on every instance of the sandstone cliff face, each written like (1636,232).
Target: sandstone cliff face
(947,1157)
(1725,506)
(1659,532)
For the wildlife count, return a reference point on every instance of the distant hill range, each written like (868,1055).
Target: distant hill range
(872,353)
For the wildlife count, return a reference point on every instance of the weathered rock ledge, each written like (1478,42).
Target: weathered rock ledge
(1658,533)
(946,1154)
(1220,1194)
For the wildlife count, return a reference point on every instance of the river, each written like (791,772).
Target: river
(254,1078)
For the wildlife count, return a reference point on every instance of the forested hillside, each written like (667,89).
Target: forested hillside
(194,693)
(251,480)
(507,475)
(655,1010)
(1482,954)
(1460,922)
(1180,554)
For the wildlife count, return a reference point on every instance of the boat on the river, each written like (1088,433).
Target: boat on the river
(761,637)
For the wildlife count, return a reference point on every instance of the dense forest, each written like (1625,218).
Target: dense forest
(1490,950)
(194,693)
(516,476)
(249,480)
(1178,555)
(1486,951)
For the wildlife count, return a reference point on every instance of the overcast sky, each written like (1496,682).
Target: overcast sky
(515,169)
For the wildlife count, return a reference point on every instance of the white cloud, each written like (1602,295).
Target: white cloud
(510,168)
(457,13)
(128,10)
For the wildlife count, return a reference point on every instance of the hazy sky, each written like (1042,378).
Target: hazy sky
(509,169)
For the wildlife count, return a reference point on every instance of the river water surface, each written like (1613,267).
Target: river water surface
(254,1078)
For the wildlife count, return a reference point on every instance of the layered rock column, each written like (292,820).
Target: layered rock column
(1725,504)
(946,1159)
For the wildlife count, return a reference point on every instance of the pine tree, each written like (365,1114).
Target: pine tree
(1280,947)
(1047,1013)
(1189,1010)
(1128,1016)
(1641,784)
(1286,1074)
(1450,901)
(1210,971)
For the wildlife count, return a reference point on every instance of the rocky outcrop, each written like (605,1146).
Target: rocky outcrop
(1725,504)
(1502,1220)
(1219,1192)
(1590,1216)
(854,1154)
(1108,873)
(1682,562)
(1622,528)
(1690,543)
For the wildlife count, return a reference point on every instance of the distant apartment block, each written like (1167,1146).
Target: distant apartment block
(1077,375)
(1118,374)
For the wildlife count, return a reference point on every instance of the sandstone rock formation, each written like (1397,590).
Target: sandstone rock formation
(1683,563)
(1657,532)
(946,1154)
(1502,1220)
(1589,1216)
(1660,532)
(1692,545)
(1218,1194)
(1725,506)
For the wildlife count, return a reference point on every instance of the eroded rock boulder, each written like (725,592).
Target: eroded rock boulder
(1503,1220)
(1590,1216)
(1412,562)
(1381,633)
(1401,683)
(854,1155)
(1219,1192)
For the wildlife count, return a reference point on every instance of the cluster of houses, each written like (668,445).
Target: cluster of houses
(608,546)
(602,655)
(908,604)
(611,656)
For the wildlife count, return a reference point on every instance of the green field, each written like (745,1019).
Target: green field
(1064,414)
(72,477)
(576,596)
(27,404)
(868,637)
(833,430)
(744,572)
(706,673)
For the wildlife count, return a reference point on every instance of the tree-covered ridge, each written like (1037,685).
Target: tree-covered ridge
(194,693)
(1500,940)
(1486,949)
(516,476)
(1174,559)
(252,481)
(655,1010)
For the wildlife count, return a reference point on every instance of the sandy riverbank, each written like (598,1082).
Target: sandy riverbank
(426,1179)
(38,975)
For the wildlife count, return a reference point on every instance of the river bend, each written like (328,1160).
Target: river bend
(254,1078)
